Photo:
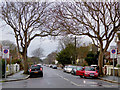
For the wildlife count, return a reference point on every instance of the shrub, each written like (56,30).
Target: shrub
(118,65)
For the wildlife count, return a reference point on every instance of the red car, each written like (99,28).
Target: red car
(87,71)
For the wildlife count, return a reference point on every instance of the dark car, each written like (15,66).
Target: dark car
(50,65)
(54,66)
(36,70)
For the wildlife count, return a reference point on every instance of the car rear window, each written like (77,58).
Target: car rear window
(35,67)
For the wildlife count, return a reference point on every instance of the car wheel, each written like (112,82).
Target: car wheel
(74,73)
(30,76)
(81,76)
(84,76)
(41,75)
(96,77)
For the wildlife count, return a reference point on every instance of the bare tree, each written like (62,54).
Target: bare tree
(64,41)
(11,45)
(51,57)
(27,20)
(38,52)
(98,20)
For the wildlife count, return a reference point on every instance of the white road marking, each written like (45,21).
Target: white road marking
(79,85)
(91,82)
(94,85)
(109,86)
(66,79)
(84,81)
(70,81)
(74,83)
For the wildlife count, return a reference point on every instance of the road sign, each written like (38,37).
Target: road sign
(113,52)
(5,55)
(5,52)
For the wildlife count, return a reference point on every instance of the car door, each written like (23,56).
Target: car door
(79,71)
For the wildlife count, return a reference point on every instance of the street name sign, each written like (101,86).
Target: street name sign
(113,52)
(5,52)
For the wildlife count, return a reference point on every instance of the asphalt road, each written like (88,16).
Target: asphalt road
(54,78)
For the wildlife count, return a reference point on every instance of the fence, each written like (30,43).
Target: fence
(108,70)
(13,68)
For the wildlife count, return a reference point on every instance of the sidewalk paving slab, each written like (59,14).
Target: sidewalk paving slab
(15,77)
(116,79)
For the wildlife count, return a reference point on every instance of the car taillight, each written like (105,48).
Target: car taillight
(40,69)
(30,70)
(97,71)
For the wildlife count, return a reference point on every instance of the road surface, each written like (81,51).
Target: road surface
(55,78)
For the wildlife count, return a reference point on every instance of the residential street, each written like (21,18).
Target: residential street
(55,78)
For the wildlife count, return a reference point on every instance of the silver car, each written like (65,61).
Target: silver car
(69,69)
(64,69)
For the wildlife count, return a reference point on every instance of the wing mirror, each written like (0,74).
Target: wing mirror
(83,69)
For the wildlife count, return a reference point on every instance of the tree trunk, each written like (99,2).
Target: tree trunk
(25,62)
(100,62)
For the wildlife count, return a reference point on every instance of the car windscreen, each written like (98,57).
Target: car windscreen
(89,69)
(79,68)
(71,67)
(54,65)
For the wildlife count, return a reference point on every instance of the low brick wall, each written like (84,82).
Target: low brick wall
(117,72)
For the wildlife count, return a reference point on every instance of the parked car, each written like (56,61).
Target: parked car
(50,65)
(47,65)
(95,66)
(88,71)
(69,69)
(36,70)
(76,69)
(64,69)
(73,72)
(54,66)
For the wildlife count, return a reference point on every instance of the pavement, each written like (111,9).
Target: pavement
(15,77)
(111,79)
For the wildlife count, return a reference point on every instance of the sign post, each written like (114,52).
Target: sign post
(5,56)
(113,55)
